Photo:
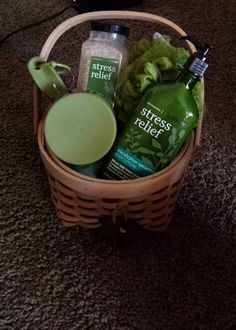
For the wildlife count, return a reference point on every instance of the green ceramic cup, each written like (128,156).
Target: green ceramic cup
(80,128)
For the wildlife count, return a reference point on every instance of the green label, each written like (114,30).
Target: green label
(154,136)
(133,162)
(102,77)
(125,165)
(150,141)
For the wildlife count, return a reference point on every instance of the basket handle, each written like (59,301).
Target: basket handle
(98,15)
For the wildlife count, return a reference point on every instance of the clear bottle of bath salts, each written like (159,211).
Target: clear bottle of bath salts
(103,54)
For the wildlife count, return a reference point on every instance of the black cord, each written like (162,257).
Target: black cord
(34,24)
(80,6)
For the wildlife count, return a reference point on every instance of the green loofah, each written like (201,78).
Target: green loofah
(151,62)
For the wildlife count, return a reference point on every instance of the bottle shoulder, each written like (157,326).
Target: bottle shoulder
(172,98)
(167,87)
(104,44)
(169,91)
(103,50)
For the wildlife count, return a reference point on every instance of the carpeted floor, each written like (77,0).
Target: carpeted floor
(57,278)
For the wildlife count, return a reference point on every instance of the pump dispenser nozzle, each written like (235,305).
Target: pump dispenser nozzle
(197,63)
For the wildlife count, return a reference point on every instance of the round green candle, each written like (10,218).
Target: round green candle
(80,128)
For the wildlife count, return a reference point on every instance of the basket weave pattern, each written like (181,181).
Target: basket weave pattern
(81,200)
(153,211)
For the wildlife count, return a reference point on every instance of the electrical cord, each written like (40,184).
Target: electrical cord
(34,24)
(80,6)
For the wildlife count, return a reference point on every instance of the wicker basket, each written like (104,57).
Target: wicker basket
(81,200)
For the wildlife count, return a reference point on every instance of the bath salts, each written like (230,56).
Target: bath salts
(102,57)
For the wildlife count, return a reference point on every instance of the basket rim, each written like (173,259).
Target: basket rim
(123,189)
(65,170)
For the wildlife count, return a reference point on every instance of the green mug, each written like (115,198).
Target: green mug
(80,128)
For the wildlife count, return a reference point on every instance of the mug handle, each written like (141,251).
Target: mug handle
(60,68)
(47,76)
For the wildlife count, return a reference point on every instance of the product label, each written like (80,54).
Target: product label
(116,170)
(125,165)
(102,77)
(150,141)
(153,136)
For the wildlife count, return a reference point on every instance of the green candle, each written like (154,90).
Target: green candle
(80,128)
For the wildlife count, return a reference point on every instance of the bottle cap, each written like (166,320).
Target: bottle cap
(197,63)
(111,28)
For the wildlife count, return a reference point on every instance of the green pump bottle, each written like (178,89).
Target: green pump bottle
(160,124)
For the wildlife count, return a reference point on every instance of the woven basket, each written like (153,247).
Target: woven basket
(81,200)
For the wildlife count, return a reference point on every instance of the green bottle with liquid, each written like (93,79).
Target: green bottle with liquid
(160,124)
